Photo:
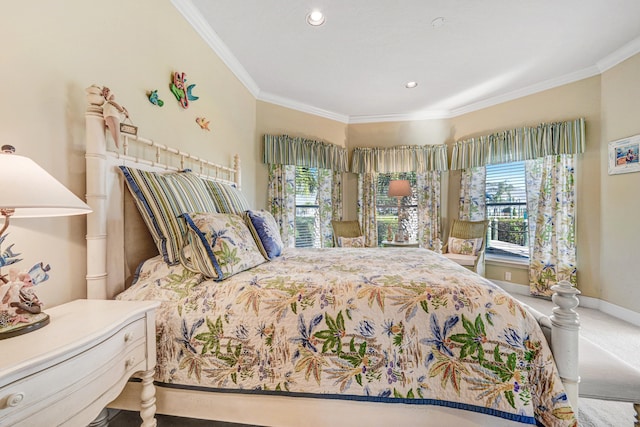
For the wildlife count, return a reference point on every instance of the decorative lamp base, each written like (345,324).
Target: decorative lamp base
(31,323)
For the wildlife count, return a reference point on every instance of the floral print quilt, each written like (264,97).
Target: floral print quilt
(397,325)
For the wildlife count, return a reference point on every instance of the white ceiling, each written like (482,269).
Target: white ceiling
(354,67)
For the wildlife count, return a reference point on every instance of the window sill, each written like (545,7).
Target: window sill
(507,261)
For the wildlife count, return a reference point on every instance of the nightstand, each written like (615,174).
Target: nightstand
(68,371)
(394,244)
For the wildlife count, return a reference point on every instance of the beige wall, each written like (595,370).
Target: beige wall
(52,51)
(620,194)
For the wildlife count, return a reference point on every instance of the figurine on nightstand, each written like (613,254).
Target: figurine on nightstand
(28,302)
(389,233)
(20,308)
(18,297)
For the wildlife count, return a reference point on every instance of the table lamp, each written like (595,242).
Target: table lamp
(399,188)
(28,191)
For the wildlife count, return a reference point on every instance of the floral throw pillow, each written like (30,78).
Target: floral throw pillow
(351,242)
(266,232)
(218,245)
(464,246)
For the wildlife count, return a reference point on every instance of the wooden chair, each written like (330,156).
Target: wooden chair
(468,230)
(345,229)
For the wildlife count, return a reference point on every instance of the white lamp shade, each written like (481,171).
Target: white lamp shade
(399,188)
(32,192)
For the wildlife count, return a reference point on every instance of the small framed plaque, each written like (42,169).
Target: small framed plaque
(624,155)
(129,129)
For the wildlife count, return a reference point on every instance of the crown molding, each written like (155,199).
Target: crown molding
(625,52)
(195,19)
(202,27)
(420,115)
(526,91)
(305,108)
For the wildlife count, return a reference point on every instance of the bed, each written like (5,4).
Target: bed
(317,337)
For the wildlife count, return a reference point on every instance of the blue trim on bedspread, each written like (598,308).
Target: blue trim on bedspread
(433,402)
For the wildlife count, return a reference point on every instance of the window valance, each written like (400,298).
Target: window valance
(287,150)
(402,158)
(520,144)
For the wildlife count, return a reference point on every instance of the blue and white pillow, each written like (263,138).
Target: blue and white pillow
(266,232)
(218,245)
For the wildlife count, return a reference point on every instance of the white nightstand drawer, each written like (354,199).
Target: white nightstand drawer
(67,372)
(111,377)
(44,394)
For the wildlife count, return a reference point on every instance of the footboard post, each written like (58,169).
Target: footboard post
(565,334)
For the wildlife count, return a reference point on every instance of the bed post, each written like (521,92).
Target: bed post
(96,162)
(565,334)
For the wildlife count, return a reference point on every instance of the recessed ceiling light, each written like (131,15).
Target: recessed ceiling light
(315,18)
(438,22)
(411,85)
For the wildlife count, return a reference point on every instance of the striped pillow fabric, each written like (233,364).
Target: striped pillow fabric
(227,198)
(161,198)
(218,245)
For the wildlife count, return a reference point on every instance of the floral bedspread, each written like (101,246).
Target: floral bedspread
(371,324)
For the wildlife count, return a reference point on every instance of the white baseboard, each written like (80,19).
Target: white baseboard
(587,302)
(512,288)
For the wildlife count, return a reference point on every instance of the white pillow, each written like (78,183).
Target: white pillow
(351,242)
(464,246)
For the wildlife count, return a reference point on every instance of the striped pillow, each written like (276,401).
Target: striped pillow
(227,198)
(218,245)
(161,198)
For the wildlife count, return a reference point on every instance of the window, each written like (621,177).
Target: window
(387,208)
(507,210)
(307,216)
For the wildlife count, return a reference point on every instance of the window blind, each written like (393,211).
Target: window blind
(307,219)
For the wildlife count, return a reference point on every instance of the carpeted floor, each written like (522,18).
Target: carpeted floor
(617,336)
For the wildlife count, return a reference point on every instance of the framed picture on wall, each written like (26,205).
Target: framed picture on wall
(624,155)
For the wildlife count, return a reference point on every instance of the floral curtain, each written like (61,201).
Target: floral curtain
(552,213)
(429,218)
(326,208)
(283,154)
(472,194)
(367,190)
(549,150)
(336,195)
(428,161)
(281,197)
